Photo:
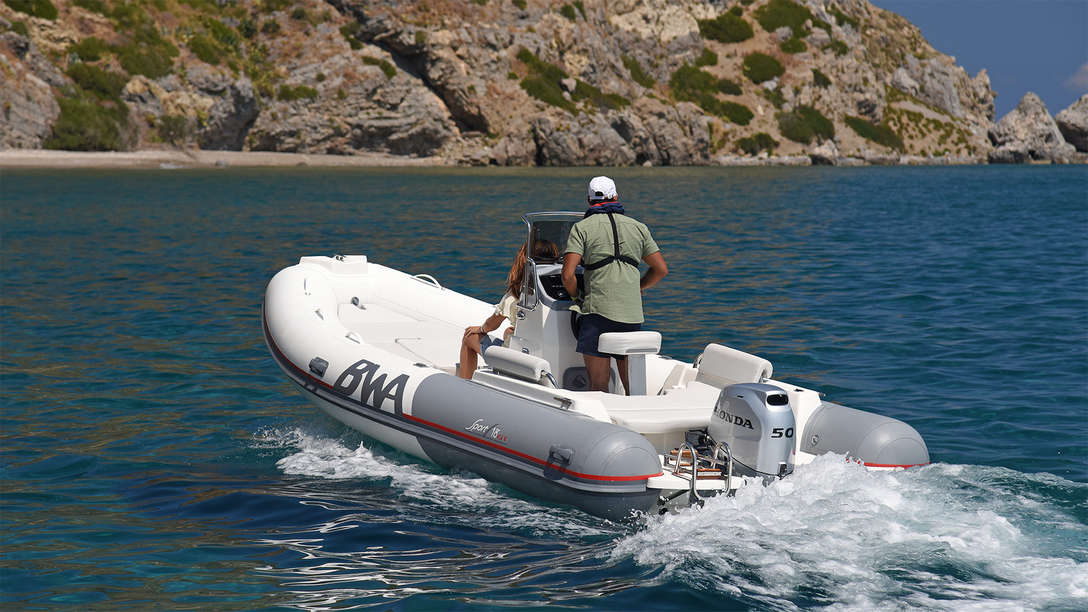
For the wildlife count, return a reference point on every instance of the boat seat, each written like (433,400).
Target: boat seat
(519,365)
(663,419)
(635,345)
(722,366)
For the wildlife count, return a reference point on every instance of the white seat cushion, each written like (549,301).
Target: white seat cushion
(721,366)
(630,343)
(516,364)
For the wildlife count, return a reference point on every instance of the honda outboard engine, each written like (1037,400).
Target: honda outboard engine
(757,423)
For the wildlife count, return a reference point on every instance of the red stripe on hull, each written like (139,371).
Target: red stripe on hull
(522,455)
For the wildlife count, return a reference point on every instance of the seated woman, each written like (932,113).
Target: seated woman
(475,341)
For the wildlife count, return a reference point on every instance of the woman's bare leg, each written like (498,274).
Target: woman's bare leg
(470,348)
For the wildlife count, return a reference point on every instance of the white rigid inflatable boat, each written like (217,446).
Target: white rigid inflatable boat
(377,349)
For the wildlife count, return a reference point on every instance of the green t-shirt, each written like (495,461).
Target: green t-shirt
(612,290)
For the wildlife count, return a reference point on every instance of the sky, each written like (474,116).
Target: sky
(1024,45)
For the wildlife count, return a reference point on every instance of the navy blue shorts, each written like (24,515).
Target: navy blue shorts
(590,328)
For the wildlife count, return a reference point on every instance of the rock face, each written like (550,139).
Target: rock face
(598,82)
(1073,124)
(1028,133)
(26,96)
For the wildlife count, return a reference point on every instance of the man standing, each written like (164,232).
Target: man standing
(608,244)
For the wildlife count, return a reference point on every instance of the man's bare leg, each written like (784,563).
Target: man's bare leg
(598,370)
(621,363)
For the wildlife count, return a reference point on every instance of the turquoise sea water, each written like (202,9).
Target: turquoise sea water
(153,456)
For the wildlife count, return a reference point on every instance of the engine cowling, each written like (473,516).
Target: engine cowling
(757,423)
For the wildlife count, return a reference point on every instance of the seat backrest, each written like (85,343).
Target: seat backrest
(517,364)
(630,343)
(722,366)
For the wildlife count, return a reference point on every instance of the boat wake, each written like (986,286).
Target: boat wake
(424,487)
(940,537)
(834,534)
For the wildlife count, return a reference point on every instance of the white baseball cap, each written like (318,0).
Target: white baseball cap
(601,188)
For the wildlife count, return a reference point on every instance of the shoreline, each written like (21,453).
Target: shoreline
(179,159)
(154,159)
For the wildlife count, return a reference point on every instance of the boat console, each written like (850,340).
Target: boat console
(544,327)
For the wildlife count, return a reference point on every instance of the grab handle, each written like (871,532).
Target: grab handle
(427,278)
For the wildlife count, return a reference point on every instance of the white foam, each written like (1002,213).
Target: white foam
(938,537)
(943,537)
(319,456)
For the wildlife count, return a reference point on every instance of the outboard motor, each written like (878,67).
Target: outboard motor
(757,423)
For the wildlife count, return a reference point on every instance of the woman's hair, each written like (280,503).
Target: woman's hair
(543,250)
(517,274)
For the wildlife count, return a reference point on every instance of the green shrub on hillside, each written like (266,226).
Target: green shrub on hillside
(539,66)
(247,27)
(842,18)
(85,124)
(222,33)
(548,92)
(271,6)
(838,47)
(128,16)
(204,6)
(389,69)
(698,86)
(880,134)
(100,83)
(820,79)
(707,58)
(690,83)
(151,62)
(761,141)
(585,92)
(288,93)
(568,11)
(805,124)
(521,4)
(94,6)
(793,45)
(760,67)
(34,8)
(349,31)
(728,87)
(737,113)
(774,96)
(205,49)
(90,49)
(726,28)
(19,27)
(637,73)
(146,51)
(542,82)
(778,13)
(173,129)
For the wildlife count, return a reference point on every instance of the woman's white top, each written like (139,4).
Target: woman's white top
(508,307)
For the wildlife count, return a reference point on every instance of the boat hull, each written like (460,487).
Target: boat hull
(538,449)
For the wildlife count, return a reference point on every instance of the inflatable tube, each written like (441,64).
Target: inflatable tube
(539,449)
(876,441)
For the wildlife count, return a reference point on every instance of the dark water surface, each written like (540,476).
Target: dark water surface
(153,456)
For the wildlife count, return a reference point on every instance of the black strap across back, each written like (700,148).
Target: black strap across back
(615,256)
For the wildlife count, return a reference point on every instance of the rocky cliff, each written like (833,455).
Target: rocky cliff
(504,82)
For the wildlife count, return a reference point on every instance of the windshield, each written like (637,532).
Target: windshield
(548,234)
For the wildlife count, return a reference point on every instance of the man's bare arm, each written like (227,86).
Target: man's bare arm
(658,270)
(570,280)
